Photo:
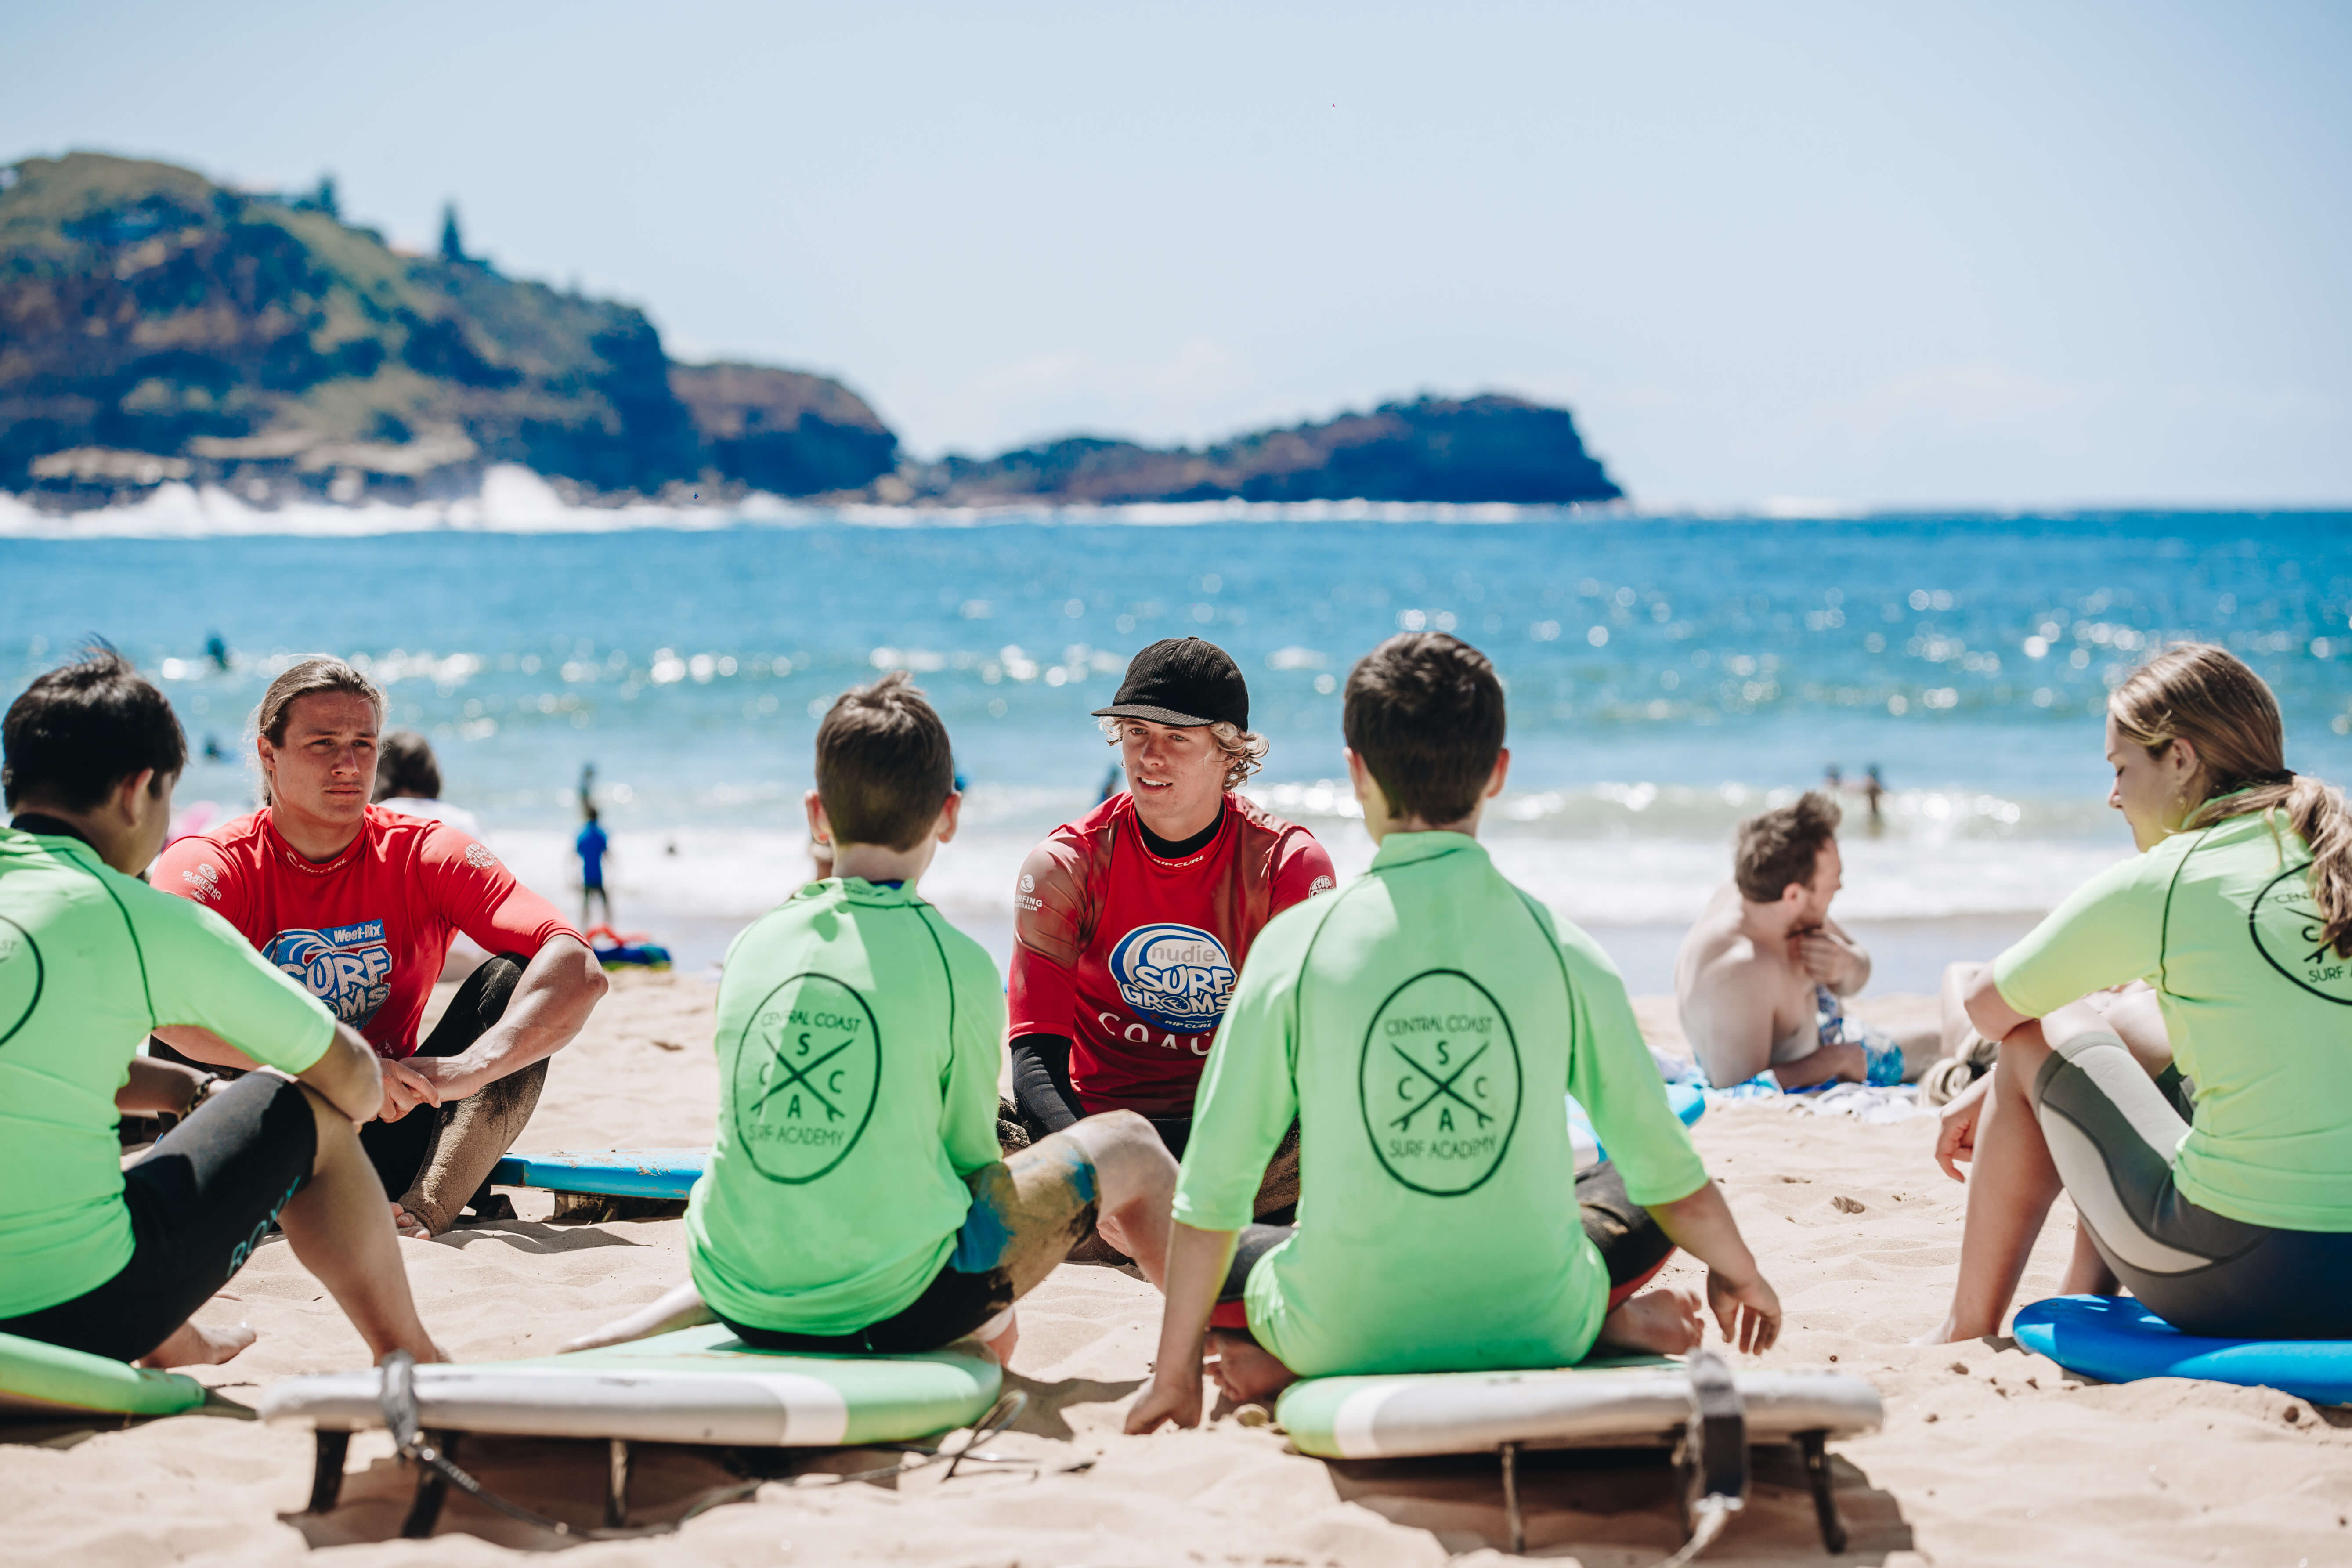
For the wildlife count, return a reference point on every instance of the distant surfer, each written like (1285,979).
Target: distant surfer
(112,1261)
(1132,922)
(1762,978)
(362,904)
(855,1202)
(591,847)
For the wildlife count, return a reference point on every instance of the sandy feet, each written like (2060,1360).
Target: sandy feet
(193,1344)
(1665,1321)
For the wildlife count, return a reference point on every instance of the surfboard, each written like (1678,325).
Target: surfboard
(672,1173)
(40,1380)
(1688,1100)
(2116,1339)
(695,1385)
(1619,1403)
(613,1173)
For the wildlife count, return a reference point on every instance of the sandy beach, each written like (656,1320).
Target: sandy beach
(1988,1454)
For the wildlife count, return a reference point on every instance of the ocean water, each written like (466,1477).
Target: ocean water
(1668,675)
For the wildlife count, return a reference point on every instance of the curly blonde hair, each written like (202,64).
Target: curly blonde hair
(1245,749)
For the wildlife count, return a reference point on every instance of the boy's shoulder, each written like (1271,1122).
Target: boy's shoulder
(800,926)
(968,960)
(1584,958)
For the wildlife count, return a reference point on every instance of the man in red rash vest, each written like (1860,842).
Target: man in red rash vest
(1132,922)
(361,905)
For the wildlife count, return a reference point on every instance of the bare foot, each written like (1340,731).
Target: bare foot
(1247,1370)
(1947,1332)
(1002,1345)
(193,1344)
(409,1225)
(1665,1321)
(677,1308)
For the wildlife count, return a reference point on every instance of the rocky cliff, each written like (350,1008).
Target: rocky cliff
(1488,448)
(154,326)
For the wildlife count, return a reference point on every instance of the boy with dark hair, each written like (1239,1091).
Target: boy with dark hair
(95,1257)
(855,1201)
(1761,980)
(1422,1025)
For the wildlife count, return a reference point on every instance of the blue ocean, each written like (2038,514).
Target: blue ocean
(1668,675)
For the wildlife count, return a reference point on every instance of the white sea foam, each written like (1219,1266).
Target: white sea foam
(513,500)
(1595,879)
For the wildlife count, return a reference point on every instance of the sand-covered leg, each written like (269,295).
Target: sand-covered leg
(468,1138)
(1121,1169)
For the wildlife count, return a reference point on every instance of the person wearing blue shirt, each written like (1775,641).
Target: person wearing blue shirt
(592,845)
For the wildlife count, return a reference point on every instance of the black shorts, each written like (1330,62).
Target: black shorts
(2112,1132)
(950,1307)
(1630,1242)
(200,1202)
(398,1149)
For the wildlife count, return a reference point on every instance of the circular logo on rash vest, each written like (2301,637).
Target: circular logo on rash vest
(2285,925)
(1440,1083)
(20,977)
(1177,977)
(807,1070)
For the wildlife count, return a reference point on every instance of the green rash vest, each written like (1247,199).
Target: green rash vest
(1423,1026)
(91,962)
(859,1036)
(2220,921)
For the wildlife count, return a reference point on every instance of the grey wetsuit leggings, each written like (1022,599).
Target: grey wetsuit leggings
(2112,1132)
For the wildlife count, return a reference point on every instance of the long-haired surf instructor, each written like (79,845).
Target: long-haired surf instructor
(361,904)
(1132,922)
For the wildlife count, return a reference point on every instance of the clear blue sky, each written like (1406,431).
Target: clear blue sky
(1879,254)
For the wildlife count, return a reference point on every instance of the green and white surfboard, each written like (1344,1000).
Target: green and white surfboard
(697,1385)
(1632,1401)
(38,1380)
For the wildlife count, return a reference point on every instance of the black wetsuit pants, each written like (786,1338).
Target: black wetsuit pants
(200,1201)
(429,1159)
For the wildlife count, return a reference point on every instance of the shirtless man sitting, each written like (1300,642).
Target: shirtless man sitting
(1761,979)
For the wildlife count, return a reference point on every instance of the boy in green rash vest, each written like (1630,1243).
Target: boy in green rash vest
(1422,1025)
(855,1202)
(109,1260)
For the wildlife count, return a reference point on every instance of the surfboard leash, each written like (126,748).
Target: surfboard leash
(403,1420)
(1712,1456)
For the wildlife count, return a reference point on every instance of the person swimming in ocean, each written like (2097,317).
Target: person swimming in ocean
(1761,980)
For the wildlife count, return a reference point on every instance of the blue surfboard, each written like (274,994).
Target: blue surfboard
(1688,1100)
(672,1173)
(2116,1339)
(613,1173)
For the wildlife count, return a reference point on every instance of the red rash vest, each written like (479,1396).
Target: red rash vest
(366,932)
(1132,957)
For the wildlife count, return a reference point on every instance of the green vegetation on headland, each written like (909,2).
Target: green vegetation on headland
(156,327)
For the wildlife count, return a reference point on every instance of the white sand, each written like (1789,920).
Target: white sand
(1988,1454)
